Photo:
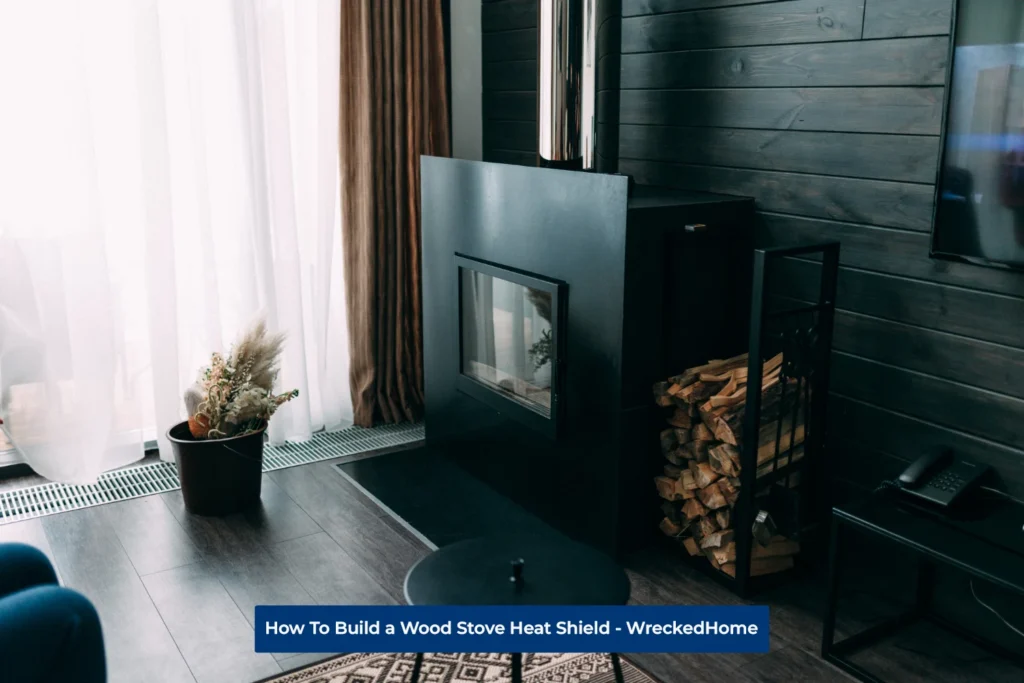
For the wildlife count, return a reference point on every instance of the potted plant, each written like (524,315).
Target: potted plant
(219,449)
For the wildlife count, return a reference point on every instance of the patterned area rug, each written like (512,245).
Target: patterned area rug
(465,668)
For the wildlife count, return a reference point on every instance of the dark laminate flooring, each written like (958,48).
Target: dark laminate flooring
(176,592)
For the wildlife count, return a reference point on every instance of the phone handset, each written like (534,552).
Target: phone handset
(920,470)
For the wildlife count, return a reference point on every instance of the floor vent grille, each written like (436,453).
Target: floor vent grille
(160,477)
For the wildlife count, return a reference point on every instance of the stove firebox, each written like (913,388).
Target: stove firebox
(510,341)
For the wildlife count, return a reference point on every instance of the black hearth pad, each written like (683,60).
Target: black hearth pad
(439,499)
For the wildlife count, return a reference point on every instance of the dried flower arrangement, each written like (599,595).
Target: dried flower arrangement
(234,395)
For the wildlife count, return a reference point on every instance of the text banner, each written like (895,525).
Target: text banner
(511,629)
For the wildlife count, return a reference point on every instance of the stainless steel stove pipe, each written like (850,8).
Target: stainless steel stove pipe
(559,62)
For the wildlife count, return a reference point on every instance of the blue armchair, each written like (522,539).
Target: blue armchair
(47,633)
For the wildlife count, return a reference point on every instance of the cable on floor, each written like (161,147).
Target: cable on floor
(995,612)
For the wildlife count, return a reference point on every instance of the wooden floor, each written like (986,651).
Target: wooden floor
(176,592)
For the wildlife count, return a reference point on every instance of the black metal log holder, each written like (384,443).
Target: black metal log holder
(793,490)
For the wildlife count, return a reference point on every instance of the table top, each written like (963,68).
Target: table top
(480,571)
(954,542)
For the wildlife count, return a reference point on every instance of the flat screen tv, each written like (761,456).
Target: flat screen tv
(979,212)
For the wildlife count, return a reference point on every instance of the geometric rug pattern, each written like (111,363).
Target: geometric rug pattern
(465,668)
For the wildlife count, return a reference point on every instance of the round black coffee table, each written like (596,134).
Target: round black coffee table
(516,570)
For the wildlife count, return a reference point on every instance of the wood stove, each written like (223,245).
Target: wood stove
(552,301)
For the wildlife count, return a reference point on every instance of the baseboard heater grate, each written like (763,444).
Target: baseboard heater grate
(160,477)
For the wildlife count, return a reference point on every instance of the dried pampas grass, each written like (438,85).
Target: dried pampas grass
(234,395)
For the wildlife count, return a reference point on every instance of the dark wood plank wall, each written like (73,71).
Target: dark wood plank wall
(828,113)
(509,48)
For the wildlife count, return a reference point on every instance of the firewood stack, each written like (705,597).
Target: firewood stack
(701,446)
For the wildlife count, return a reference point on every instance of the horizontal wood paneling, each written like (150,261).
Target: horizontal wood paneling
(882,157)
(971,362)
(803,21)
(504,156)
(974,411)
(866,201)
(510,135)
(900,18)
(916,111)
(508,15)
(509,80)
(510,106)
(897,252)
(633,7)
(510,45)
(863,427)
(517,75)
(919,61)
(966,312)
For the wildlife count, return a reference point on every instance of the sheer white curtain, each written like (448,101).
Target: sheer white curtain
(168,171)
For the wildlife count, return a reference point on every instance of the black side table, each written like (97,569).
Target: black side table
(934,542)
(516,571)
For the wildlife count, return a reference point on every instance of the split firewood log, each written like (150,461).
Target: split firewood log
(698,392)
(684,405)
(678,457)
(710,554)
(770,366)
(671,510)
(700,432)
(703,474)
(691,546)
(668,440)
(723,518)
(725,554)
(672,471)
(698,450)
(712,497)
(670,528)
(731,498)
(671,488)
(724,459)
(728,425)
(691,375)
(683,436)
(707,526)
(687,481)
(790,438)
(784,459)
(661,395)
(680,419)
(666,487)
(694,509)
(718,539)
(709,406)
(729,397)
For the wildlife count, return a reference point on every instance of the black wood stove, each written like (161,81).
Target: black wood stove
(553,300)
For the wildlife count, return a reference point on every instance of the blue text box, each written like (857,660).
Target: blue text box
(511,629)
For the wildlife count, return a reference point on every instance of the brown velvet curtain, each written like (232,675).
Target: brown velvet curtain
(394,108)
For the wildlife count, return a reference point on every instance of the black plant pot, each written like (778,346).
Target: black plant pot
(218,476)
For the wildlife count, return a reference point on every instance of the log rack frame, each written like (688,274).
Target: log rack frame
(807,347)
